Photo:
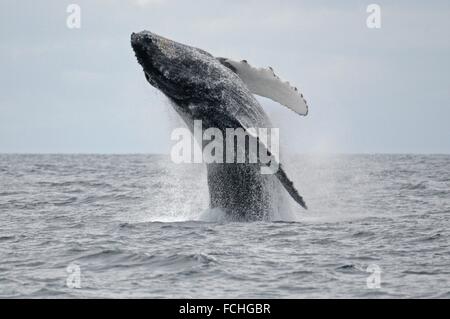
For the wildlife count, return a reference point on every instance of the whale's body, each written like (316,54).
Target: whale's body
(239,189)
(202,87)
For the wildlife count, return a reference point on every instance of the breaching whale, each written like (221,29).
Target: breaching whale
(219,92)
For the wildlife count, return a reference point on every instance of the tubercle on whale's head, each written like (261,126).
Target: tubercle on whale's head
(181,72)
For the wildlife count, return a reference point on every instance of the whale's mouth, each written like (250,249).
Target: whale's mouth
(152,78)
(152,74)
(157,78)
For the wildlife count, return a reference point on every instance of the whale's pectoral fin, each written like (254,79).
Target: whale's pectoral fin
(289,186)
(280,173)
(245,119)
(266,83)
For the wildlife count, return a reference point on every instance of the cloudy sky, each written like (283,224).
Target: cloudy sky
(381,90)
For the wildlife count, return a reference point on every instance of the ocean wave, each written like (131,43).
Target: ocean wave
(415,186)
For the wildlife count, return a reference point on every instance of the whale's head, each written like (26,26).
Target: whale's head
(181,72)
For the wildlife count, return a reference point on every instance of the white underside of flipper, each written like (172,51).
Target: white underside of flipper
(264,82)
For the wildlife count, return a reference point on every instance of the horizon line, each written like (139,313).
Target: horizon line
(168,154)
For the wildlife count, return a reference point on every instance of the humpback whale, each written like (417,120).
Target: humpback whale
(219,92)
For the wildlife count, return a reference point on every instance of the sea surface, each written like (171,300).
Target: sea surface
(122,226)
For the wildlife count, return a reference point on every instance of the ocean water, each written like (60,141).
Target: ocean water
(121,226)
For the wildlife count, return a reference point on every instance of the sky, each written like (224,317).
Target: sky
(384,90)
